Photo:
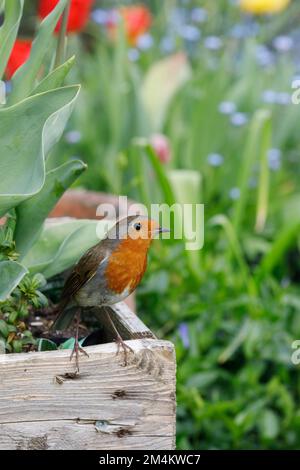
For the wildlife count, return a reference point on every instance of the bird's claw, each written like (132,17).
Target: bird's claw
(121,344)
(76,350)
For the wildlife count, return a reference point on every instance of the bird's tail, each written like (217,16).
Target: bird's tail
(64,317)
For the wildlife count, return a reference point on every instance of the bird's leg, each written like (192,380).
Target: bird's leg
(77,348)
(119,340)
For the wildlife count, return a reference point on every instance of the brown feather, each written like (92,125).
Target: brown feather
(84,270)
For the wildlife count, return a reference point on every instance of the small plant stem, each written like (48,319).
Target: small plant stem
(61,42)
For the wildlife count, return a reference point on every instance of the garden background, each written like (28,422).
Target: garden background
(191,101)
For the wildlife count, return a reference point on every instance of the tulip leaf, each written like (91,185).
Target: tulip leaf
(9,30)
(28,131)
(38,207)
(11,274)
(61,244)
(55,79)
(23,81)
(160,85)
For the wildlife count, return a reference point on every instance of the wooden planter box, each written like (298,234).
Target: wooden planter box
(108,406)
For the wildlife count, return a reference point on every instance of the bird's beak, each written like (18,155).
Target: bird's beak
(162,230)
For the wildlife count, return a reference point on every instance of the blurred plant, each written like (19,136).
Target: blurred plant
(31,123)
(161,146)
(217,85)
(14,335)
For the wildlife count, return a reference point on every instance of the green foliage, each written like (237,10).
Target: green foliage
(232,310)
(31,123)
(25,77)
(61,243)
(14,334)
(29,128)
(8,30)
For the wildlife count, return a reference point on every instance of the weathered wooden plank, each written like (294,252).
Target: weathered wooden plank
(108,406)
(56,435)
(127,323)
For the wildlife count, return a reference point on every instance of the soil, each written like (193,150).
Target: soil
(40,325)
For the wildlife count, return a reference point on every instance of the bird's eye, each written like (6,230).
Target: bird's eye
(137,226)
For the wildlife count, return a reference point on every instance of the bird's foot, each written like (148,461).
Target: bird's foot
(77,349)
(121,344)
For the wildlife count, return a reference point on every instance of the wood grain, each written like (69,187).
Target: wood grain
(108,406)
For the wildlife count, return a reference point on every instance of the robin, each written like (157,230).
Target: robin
(106,274)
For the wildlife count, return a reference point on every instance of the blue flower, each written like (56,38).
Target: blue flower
(189,32)
(213,43)
(198,15)
(275,97)
(244,30)
(283,43)
(234,193)
(184,334)
(133,54)
(100,16)
(227,107)
(8,87)
(274,158)
(167,44)
(239,119)
(269,96)
(264,56)
(283,98)
(145,42)
(215,159)
(73,137)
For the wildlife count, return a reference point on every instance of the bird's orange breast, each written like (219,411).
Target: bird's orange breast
(126,265)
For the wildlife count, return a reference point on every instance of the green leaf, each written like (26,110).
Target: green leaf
(9,30)
(3,329)
(161,83)
(268,424)
(264,177)
(222,221)
(2,347)
(23,81)
(69,343)
(286,238)
(46,345)
(62,243)
(56,78)
(186,185)
(236,342)
(203,379)
(17,346)
(257,138)
(28,131)
(165,185)
(38,207)
(11,273)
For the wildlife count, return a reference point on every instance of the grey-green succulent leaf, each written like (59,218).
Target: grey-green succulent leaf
(24,80)
(9,30)
(32,212)
(28,130)
(11,274)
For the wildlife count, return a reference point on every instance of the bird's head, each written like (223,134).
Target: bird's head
(137,227)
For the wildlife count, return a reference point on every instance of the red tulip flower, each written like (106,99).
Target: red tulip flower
(78,15)
(137,21)
(19,54)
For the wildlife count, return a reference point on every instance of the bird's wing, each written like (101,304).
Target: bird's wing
(83,272)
